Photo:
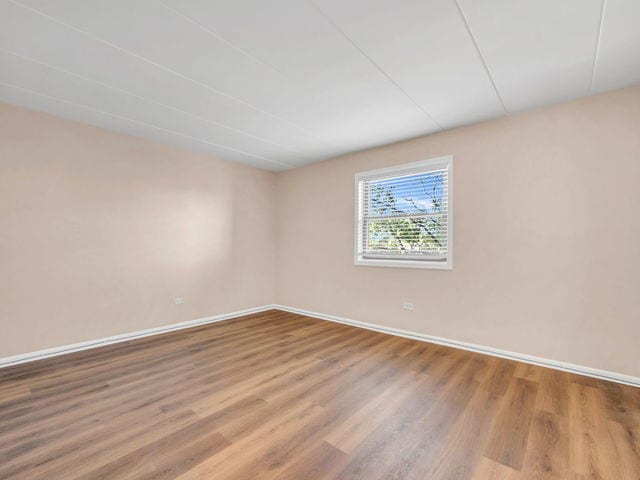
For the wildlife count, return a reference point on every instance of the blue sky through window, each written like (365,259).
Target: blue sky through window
(423,193)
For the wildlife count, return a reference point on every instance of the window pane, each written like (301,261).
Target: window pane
(418,235)
(423,193)
(403,216)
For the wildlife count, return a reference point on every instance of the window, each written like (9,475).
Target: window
(404,215)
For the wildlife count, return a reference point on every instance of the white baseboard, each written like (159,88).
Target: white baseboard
(496,352)
(76,347)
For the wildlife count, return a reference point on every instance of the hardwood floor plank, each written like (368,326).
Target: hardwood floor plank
(320,462)
(548,452)
(552,391)
(488,469)
(424,445)
(593,453)
(629,460)
(460,453)
(349,434)
(510,434)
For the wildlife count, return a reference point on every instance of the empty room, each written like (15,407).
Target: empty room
(320,240)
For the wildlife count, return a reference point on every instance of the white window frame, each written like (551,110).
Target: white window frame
(439,163)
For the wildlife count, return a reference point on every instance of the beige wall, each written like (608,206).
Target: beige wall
(546,237)
(99,232)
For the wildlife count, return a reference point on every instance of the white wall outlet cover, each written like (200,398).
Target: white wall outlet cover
(407,306)
(179,301)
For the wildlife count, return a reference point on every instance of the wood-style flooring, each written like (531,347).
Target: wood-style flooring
(281,396)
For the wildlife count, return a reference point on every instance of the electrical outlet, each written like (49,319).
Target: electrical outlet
(407,306)
(179,301)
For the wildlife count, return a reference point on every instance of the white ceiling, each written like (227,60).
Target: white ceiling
(281,83)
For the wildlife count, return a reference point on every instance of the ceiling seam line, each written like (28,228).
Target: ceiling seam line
(91,109)
(167,69)
(126,92)
(219,37)
(596,53)
(385,74)
(481,55)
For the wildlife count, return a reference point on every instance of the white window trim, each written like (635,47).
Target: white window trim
(408,168)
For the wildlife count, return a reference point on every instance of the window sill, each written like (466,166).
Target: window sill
(369,262)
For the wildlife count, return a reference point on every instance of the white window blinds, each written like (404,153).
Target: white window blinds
(403,215)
